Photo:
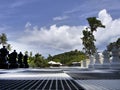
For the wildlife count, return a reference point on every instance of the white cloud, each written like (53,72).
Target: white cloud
(105,17)
(18,46)
(61,38)
(56,39)
(59,18)
(28,24)
(111,32)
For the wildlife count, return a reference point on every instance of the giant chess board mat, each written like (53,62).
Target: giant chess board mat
(59,79)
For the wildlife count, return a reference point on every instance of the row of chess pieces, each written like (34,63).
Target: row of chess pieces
(12,60)
(110,59)
(106,59)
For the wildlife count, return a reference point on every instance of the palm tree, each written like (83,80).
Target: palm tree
(94,23)
(3,39)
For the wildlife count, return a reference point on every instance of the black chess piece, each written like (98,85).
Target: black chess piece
(20,60)
(3,58)
(25,61)
(13,59)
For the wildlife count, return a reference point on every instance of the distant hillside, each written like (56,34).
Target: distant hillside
(68,57)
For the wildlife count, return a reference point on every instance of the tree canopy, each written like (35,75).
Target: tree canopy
(94,23)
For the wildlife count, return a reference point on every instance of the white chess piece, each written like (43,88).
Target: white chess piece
(115,63)
(106,59)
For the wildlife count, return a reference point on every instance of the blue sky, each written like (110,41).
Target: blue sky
(48,24)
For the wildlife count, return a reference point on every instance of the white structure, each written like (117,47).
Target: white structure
(83,64)
(97,64)
(92,62)
(52,63)
(115,63)
(106,59)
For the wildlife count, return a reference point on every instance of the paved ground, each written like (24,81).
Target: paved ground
(59,79)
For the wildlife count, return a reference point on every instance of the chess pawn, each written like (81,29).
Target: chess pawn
(115,63)
(106,59)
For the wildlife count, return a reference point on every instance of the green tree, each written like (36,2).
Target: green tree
(112,44)
(49,58)
(9,47)
(31,54)
(88,39)
(88,42)
(38,61)
(118,43)
(30,59)
(26,52)
(3,39)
